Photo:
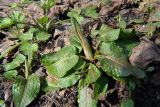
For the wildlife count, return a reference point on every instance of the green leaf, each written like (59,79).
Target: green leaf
(84,42)
(75,14)
(2,103)
(47,4)
(5,22)
(114,62)
(61,67)
(107,34)
(127,45)
(113,67)
(127,102)
(42,36)
(51,58)
(126,33)
(25,91)
(85,96)
(90,11)
(26,36)
(104,2)
(80,65)
(19,59)
(122,24)
(93,74)
(17,17)
(111,49)
(100,88)
(43,20)
(28,48)
(10,74)
(64,82)
(137,21)
(75,41)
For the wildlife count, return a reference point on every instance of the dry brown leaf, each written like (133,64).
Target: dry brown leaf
(144,54)
(7,43)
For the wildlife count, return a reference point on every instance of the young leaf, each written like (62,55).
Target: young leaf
(107,34)
(51,58)
(42,36)
(85,96)
(25,91)
(127,102)
(10,74)
(19,59)
(61,82)
(86,47)
(61,67)
(93,74)
(28,48)
(90,11)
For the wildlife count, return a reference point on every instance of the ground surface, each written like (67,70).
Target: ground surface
(147,91)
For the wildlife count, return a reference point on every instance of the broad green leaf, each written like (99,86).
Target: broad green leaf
(84,42)
(127,45)
(122,24)
(51,58)
(42,36)
(47,4)
(111,49)
(80,65)
(85,96)
(127,33)
(10,74)
(127,102)
(107,34)
(93,74)
(61,67)
(28,48)
(114,62)
(75,41)
(113,67)
(5,22)
(100,88)
(25,91)
(43,20)
(90,11)
(19,59)
(76,15)
(26,36)
(64,82)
